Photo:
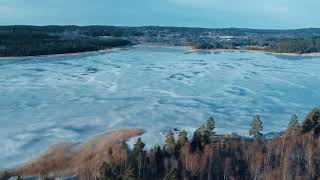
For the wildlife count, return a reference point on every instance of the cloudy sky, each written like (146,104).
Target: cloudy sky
(279,14)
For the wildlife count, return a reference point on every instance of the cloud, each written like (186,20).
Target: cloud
(243,6)
(206,13)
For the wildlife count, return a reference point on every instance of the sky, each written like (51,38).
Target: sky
(266,14)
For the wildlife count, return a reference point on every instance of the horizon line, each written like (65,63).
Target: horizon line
(164,26)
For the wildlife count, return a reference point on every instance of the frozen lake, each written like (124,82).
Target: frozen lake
(45,100)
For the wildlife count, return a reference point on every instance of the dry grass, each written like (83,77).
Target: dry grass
(68,159)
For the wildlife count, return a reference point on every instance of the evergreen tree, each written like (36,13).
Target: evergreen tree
(294,123)
(211,125)
(204,135)
(256,127)
(137,157)
(159,158)
(200,138)
(170,142)
(196,140)
(312,121)
(182,138)
(138,146)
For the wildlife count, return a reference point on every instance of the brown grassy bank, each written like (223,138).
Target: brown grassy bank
(68,159)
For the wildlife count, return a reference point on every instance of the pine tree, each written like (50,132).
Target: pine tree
(256,127)
(204,135)
(182,138)
(312,121)
(200,138)
(196,140)
(137,156)
(211,125)
(138,146)
(170,142)
(294,123)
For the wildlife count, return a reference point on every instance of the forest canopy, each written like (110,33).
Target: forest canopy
(44,40)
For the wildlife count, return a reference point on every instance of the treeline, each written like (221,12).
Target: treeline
(288,45)
(40,40)
(298,45)
(294,155)
(28,43)
(92,31)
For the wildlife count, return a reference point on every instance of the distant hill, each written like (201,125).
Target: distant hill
(23,40)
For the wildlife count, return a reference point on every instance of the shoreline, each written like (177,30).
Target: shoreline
(108,138)
(57,55)
(71,150)
(93,152)
(316,54)
(191,48)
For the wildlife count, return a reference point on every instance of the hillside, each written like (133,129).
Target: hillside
(293,155)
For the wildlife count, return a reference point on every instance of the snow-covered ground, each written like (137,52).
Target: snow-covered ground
(46,100)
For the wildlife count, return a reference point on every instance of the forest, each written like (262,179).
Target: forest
(21,40)
(301,46)
(29,42)
(294,154)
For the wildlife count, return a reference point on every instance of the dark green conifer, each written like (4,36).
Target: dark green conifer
(170,142)
(182,138)
(312,121)
(256,127)
(211,125)
(138,146)
(294,123)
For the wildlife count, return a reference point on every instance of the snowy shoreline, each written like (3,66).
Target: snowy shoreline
(192,49)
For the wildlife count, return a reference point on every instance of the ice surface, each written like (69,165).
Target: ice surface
(45,100)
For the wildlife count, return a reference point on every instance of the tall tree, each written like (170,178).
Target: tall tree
(170,142)
(137,156)
(312,121)
(211,125)
(294,123)
(182,138)
(256,127)
(200,138)
(138,146)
